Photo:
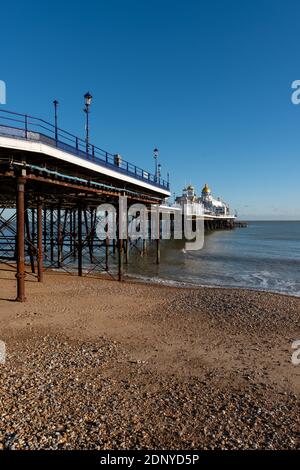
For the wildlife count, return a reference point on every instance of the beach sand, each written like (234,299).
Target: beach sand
(98,364)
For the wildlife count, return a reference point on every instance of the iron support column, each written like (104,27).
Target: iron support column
(20,239)
(120,246)
(31,248)
(79,240)
(106,253)
(120,259)
(45,229)
(106,243)
(59,238)
(51,236)
(127,245)
(144,249)
(158,240)
(40,240)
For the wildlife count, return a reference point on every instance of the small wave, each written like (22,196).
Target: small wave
(288,288)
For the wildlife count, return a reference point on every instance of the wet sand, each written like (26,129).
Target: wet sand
(93,363)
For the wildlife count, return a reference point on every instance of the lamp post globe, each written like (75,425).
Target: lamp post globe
(88,99)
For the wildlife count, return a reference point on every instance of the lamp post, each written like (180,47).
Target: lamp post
(155,156)
(87,99)
(55,102)
(159,170)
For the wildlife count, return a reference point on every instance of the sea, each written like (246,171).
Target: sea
(263,256)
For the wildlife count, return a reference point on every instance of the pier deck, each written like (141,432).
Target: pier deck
(51,183)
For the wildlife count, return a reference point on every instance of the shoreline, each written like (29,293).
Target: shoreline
(159,367)
(185,285)
(145,280)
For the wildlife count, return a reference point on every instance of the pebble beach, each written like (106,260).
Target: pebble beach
(97,364)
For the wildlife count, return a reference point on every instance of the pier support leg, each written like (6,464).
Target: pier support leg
(64,230)
(89,233)
(79,240)
(106,253)
(126,244)
(59,238)
(158,240)
(120,259)
(33,226)
(144,249)
(30,244)
(106,243)
(158,251)
(45,229)
(71,232)
(74,233)
(127,250)
(40,241)
(93,232)
(120,247)
(51,236)
(20,240)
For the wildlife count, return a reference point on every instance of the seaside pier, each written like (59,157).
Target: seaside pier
(51,183)
(214,212)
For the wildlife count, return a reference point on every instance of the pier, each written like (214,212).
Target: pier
(240,224)
(219,223)
(215,212)
(51,183)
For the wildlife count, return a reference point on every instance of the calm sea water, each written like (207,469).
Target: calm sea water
(265,256)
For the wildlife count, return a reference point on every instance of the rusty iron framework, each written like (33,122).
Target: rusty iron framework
(48,221)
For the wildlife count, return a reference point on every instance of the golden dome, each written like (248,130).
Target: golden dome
(206,189)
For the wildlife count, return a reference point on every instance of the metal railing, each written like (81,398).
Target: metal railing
(24,126)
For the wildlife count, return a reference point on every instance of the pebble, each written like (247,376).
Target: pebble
(59,394)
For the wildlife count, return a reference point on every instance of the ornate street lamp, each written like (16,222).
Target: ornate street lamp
(155,156)
(87,100)
(159,170)
(55,102)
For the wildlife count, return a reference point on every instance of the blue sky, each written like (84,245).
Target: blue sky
(207,81)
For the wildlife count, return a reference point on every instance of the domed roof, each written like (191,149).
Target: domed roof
(206,189)
(190,187)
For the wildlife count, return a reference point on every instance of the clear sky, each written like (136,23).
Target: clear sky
(206,81)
